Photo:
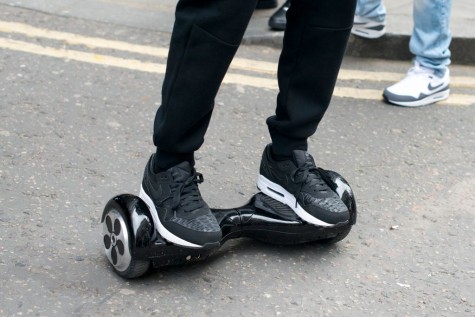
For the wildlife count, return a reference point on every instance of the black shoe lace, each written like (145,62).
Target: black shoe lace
(308,174)
(187,195)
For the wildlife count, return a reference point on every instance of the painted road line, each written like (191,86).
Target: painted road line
(231,78)
(350,74)
(346,74)
(81,56)
(76,39)
(95,42)
(245,64)
(374,94)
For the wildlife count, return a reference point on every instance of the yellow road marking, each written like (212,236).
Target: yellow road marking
(238,79)
(350,74)
(82,56)
(133,64)
(345,74)
(374,94)
(76,39)
(245,64)
(145,5)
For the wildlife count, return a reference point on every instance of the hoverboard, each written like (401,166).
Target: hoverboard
(132,245)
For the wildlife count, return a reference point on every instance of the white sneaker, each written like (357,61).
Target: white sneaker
(367,28)
(420,87)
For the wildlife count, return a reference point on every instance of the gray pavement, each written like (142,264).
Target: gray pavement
(76,131)
(158,16)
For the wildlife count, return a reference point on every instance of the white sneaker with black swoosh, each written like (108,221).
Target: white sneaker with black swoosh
(367,28)
(420,87)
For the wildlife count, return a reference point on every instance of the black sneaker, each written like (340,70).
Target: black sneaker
(178,210)
(278,21)
(298,184)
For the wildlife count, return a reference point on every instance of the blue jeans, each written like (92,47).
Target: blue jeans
(431,34)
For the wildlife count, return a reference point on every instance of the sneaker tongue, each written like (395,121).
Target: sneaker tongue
(301,157)
(181,172)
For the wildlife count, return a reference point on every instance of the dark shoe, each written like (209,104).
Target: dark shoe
(299,184)
(179,213)
(278,21)
(266,4)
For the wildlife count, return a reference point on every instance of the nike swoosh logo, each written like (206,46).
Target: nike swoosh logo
(159,194)
(150,185)
(434,87)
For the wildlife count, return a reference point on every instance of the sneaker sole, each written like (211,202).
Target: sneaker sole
(368,33)
(277,26)
(167,235)
(441,95)
(278,193)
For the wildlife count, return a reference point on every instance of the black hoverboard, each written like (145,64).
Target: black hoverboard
(132,245)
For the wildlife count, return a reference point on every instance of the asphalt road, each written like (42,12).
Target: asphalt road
(76,109)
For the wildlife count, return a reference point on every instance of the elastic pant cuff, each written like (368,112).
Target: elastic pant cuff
(165,160)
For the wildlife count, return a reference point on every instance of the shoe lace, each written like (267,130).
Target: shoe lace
(186,194)
(308,174)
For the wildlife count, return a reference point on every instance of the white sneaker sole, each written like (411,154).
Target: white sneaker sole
(442,95)
(161,229)
(278,193)
(367,33)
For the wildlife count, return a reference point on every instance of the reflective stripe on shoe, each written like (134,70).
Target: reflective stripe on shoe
(167,235)
(278,193)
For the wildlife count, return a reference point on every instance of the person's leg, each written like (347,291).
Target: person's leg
(370,19)
(205,38)
(431,35)
(428,80)
(371,9)
(314,44)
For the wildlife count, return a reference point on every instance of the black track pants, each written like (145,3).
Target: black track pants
(205,38)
